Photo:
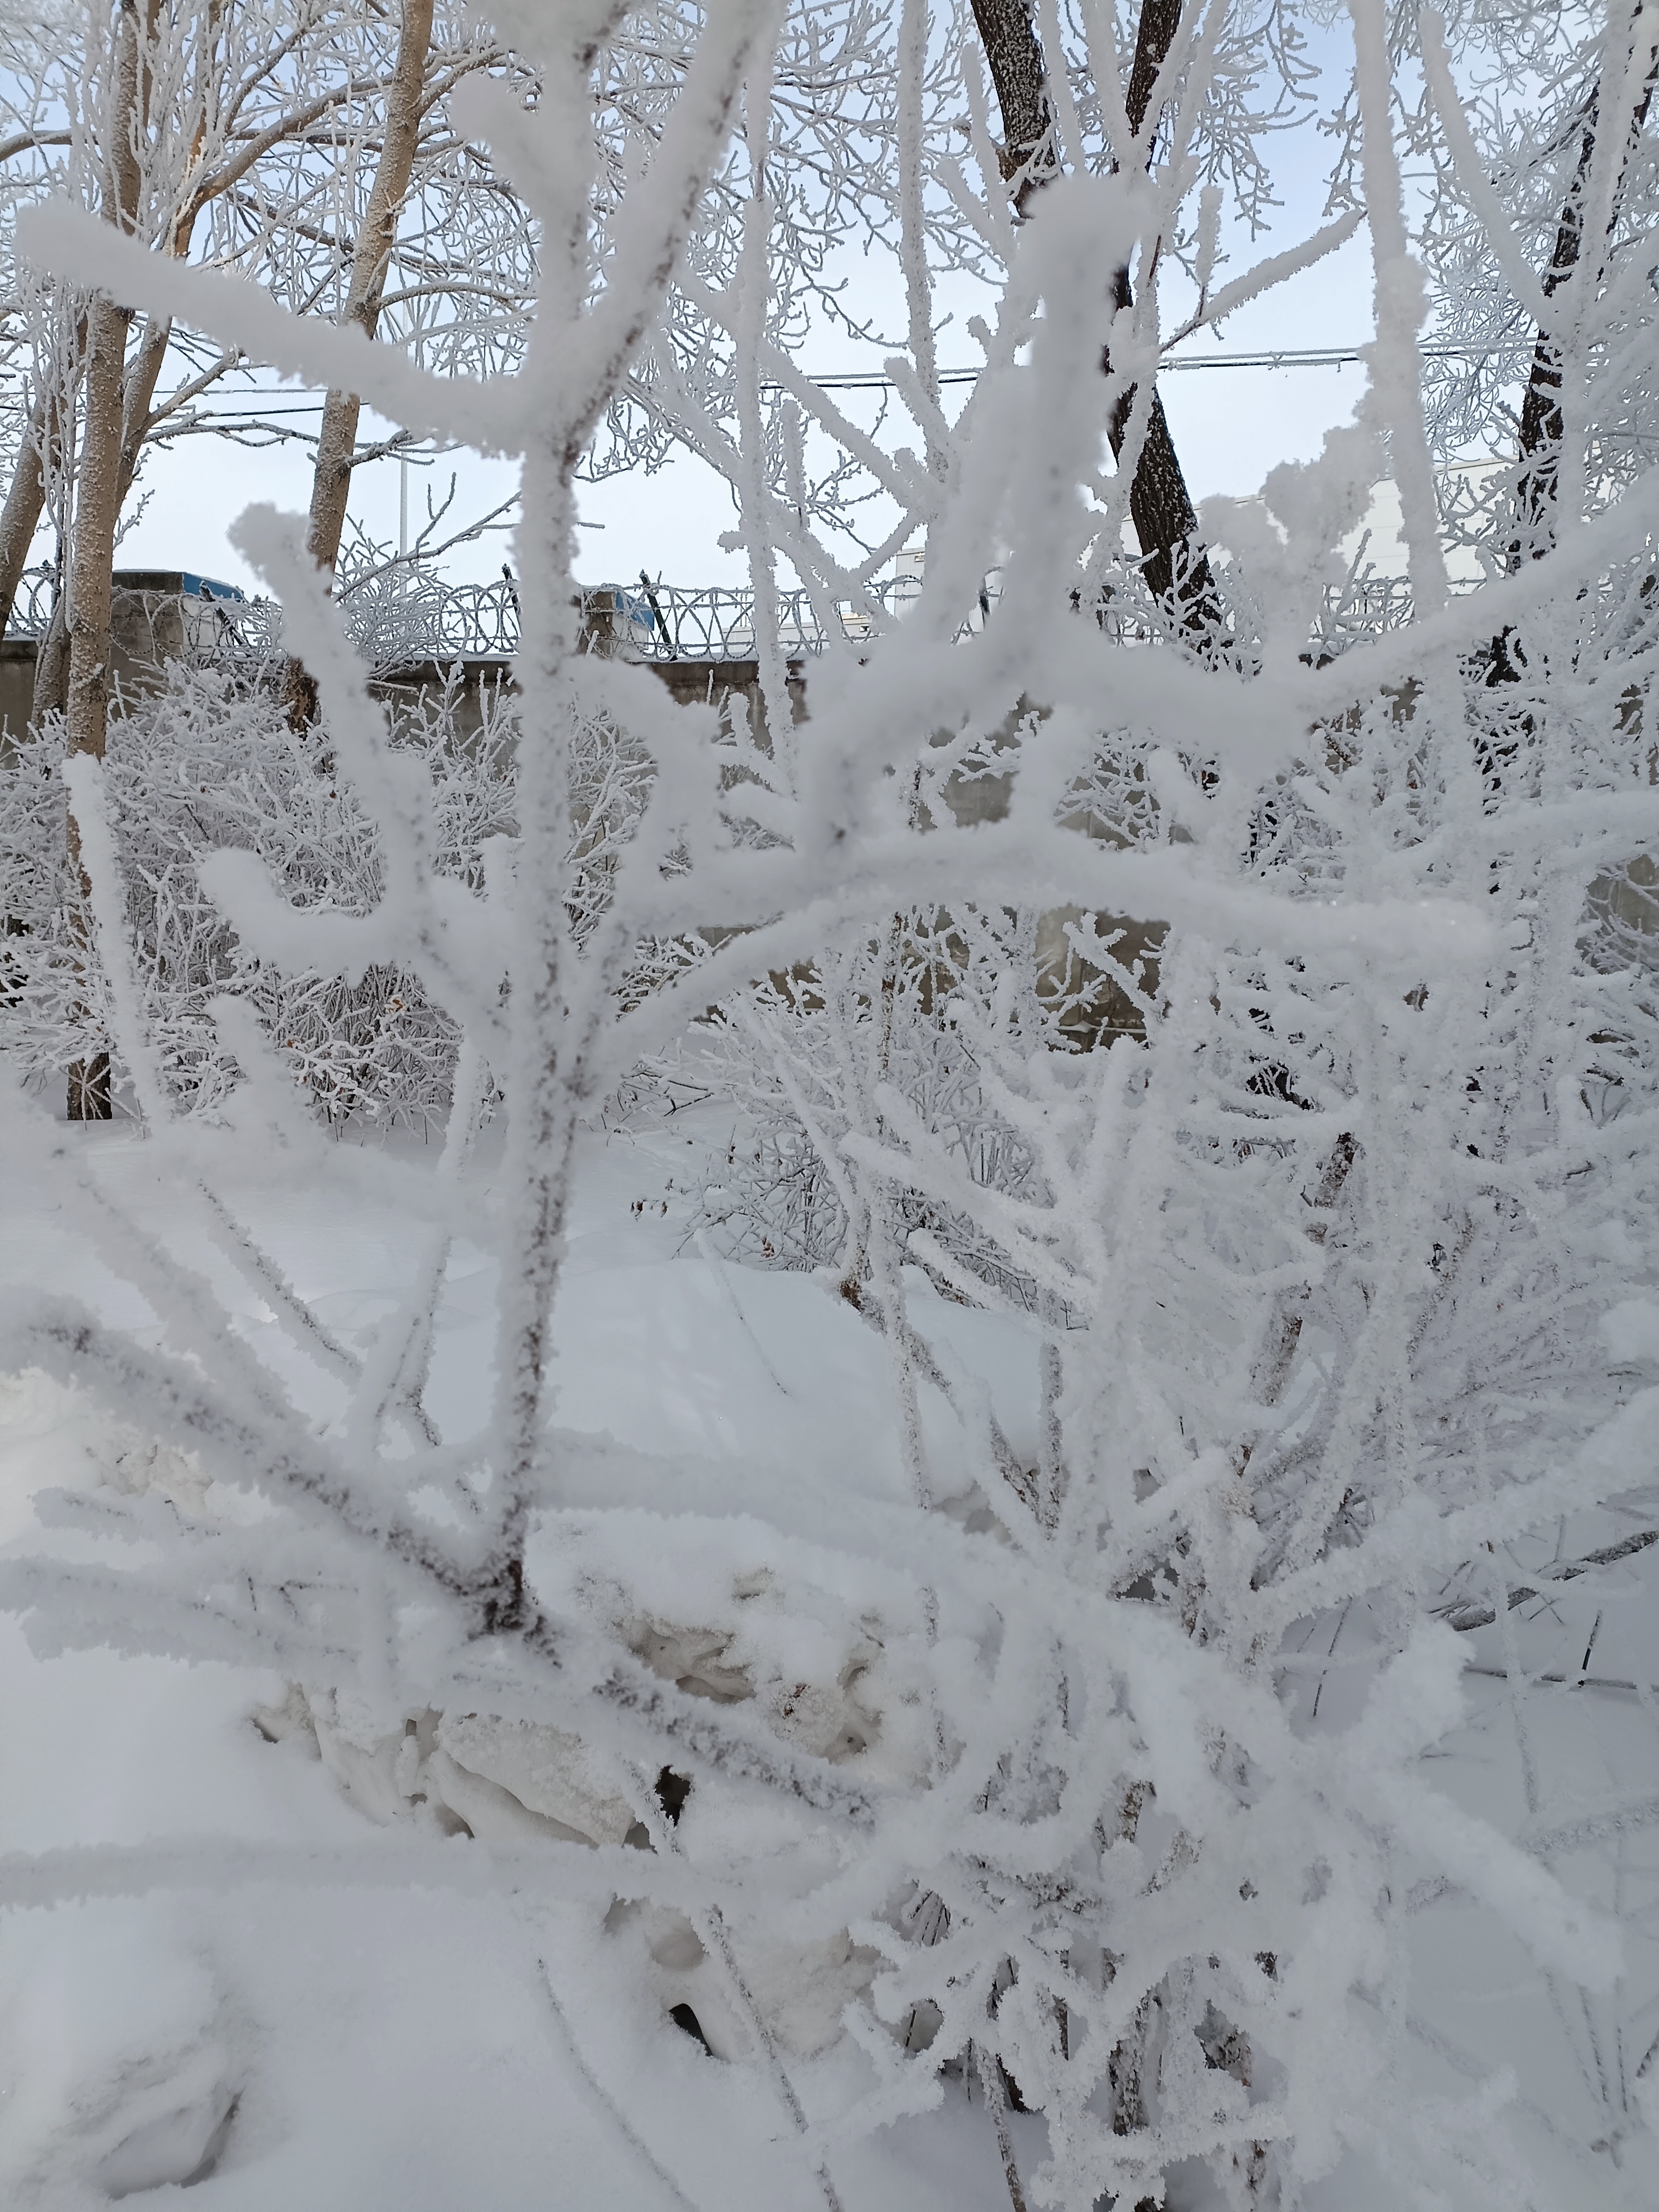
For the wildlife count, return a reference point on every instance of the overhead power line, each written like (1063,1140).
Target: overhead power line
(1279,357)
(291,399)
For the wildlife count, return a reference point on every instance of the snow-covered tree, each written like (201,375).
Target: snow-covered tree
(293,144)
(249,139)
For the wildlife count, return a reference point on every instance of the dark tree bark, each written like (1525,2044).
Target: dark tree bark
(50,695)
(1015,55)
(1537,491)
(1175,564)
(24,502)
(1542,427)
(1159,21)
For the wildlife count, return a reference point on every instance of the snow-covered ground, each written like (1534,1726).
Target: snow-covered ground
(388,2040)
(301,2009)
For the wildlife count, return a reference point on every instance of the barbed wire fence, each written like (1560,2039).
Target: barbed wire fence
(395,622)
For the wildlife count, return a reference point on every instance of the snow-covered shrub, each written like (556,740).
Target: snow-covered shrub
(803,1056)
(1322,1255)
(209,762)
(1102,1765)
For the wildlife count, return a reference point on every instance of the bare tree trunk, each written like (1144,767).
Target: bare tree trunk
(1537,490)
(98,471)
(137,392)
(50,695)
(88,602)
(20,516)
(146,371)
(1542,425)
(88,605)
(330,484)
(97,508)
(1160,506)
(40,455)
(43,443)
(1028,155)
(38,459)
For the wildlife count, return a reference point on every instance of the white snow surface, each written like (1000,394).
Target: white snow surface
(378,2044)
(289,2017)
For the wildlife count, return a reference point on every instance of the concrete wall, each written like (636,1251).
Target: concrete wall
(1102,1007)
(16,689)
(152,620)
(155,620)
(720,682)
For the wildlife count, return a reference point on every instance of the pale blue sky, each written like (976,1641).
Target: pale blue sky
(1231,426)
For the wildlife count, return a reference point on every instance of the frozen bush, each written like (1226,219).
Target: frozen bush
(209,762)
